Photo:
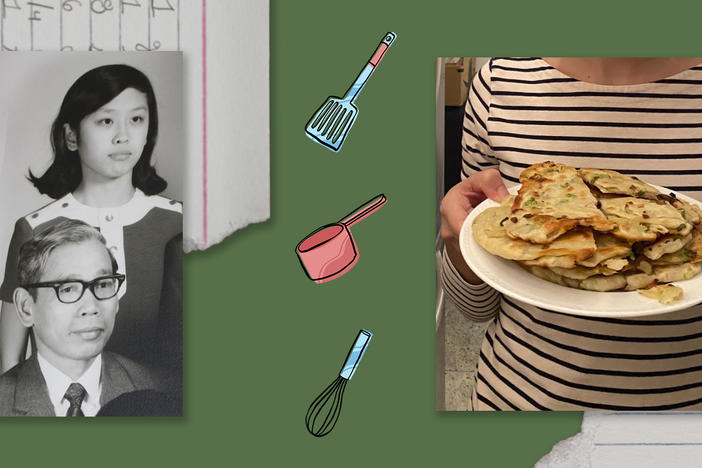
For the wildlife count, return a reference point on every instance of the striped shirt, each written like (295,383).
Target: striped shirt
(524,111)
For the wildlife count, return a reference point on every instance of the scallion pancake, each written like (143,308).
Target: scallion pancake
(552,200)
(489,232)
(616,183)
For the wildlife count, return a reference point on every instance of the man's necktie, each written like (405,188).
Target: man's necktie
(75,395)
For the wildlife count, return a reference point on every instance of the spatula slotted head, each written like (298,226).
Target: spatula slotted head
(330,125)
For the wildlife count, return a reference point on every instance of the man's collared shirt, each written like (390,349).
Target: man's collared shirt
(57,383)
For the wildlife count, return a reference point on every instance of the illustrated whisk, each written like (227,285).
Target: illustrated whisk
(325,410)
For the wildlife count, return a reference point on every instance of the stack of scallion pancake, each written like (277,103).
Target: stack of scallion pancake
(594,229)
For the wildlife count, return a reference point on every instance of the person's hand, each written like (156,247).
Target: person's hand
(458,202)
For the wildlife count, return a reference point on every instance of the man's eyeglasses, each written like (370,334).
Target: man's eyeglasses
(70,291)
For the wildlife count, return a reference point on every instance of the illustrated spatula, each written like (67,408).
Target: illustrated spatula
(330,125)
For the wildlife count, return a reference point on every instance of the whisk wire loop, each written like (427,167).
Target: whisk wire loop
(327,404)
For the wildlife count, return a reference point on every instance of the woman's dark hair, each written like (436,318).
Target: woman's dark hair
(91,91)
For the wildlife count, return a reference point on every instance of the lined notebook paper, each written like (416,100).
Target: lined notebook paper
(225,55)
(631,439)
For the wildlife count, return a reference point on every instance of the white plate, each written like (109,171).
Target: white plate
(512,280)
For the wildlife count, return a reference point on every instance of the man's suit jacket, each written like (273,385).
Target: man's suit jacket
(23,391)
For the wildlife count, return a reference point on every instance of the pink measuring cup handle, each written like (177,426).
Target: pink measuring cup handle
(364,210)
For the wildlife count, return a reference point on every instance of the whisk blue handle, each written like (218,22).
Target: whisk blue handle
(355,354)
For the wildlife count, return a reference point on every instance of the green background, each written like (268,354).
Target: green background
(262,340)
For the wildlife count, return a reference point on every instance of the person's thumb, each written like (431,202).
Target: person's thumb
(494,187)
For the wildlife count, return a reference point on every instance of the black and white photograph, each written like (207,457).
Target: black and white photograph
(91,232)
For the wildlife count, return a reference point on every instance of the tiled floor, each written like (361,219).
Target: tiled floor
(462,339)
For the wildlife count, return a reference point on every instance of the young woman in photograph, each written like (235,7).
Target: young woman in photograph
(103,139)
(638,116)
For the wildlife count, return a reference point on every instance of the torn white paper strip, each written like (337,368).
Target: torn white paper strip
(235,163)
(225,48)
(631,439)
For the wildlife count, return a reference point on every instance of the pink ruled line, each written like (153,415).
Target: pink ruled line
(204,121)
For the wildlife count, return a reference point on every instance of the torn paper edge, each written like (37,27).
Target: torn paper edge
(190,244)
(575,451)
(233,188)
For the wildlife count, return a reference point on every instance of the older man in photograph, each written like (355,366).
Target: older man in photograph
(68,297)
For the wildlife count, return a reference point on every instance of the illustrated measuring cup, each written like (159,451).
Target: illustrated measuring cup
(330,251)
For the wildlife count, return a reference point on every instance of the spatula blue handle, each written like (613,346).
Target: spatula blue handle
(373,62)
